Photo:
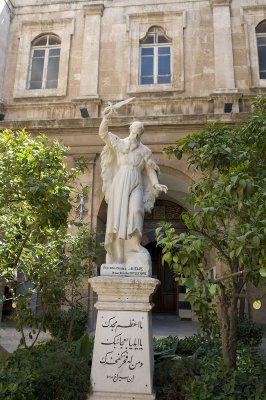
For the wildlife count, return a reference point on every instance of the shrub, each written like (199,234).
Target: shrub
(171,378)
(164,343)
(216,382)
(18,374)
(249,333)
(23,373)
(63,377)
(189,345)
(60,322)
(183,347)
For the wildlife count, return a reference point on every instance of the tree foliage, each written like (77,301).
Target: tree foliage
(37,255)
(229,216)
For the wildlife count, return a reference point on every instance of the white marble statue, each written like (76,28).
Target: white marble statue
(130,186)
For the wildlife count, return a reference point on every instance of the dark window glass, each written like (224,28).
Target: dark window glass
(146,80)
(149,51)
(54,52)
(261,40)
(37,69)
(51,84)
(262,58)
(53,40)
(147,66)
(162,39)
(52,69)
(42,41)
(164,79)
(261,28)
(164,65)
(148,40)
(36,85)
(262,74)
(39,53)
(163,50)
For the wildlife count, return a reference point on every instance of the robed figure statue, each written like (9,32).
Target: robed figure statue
(130,186)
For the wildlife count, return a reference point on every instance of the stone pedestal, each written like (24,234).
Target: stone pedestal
(122,366)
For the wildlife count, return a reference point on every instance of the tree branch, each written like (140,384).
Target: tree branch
(238,273)
(24,241)
(216,245)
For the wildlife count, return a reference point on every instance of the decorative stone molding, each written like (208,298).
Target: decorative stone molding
(222,3)
(93,9)
(125,292)
(173,23)
(251,16)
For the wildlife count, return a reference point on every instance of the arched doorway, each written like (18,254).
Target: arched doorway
(166,299)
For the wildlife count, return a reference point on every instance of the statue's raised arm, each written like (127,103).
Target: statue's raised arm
(130,185)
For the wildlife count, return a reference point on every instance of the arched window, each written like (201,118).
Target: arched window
(44,65)
(155,57)
(261,44)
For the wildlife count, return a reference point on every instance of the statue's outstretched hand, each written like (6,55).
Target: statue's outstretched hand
(161,188)
(108,111)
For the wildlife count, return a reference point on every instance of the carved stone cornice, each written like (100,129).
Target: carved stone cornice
(93,9)
(220,3)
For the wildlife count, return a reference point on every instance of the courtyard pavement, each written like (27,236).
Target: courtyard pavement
(163,325)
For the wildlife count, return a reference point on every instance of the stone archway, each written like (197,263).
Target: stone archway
(166,299)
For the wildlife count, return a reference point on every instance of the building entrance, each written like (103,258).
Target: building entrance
(166,296)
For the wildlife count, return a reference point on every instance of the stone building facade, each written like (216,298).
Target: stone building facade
(186,62)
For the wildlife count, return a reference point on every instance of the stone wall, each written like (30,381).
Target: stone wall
(5,17)
(214,62)
(214,56)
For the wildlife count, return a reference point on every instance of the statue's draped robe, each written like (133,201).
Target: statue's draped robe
(129,175)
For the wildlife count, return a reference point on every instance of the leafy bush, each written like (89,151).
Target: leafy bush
(59,324)
(164,343)
(63,377)
(23,374)
(249,333)
(171,378)
(189,345)
(216,382)
(18,374)
(183,347)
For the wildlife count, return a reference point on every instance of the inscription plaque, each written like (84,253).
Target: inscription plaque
(122,352)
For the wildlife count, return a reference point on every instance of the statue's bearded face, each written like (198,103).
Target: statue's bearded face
(136,130)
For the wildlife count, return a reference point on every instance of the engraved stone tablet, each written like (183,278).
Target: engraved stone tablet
(122,356)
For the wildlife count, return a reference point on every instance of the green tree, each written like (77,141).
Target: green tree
(229,204)
(37,255)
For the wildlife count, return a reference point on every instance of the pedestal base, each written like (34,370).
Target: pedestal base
(122,365)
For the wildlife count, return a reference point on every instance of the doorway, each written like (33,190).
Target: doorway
(166,297)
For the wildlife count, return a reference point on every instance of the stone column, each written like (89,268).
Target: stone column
(91,51)
(225,92)
(122,366)
(223,48)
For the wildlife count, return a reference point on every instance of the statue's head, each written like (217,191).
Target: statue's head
(136,129)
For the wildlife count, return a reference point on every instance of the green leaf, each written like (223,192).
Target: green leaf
(212,289)
(190,282)
(167,257)
(263,272)
(256,242)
